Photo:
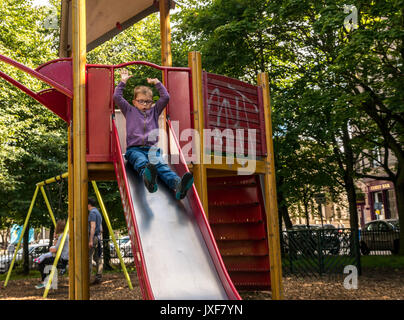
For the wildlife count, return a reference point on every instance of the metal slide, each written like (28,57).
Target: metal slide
(177,250)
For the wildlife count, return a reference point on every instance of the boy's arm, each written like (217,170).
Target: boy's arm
(119,99)
(164,98)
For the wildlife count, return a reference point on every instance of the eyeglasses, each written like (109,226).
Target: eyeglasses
(144,102)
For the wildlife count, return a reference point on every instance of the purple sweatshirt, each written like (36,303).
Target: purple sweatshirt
(139,124)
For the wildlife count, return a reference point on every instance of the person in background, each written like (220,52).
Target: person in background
(49,258)
(94,240)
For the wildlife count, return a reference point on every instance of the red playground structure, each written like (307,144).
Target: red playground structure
(224,235)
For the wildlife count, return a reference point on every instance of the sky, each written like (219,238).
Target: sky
(41,2)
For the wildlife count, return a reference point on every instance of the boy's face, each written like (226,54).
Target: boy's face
(143,102)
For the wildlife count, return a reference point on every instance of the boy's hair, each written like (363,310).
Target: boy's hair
(60,226)
(92,202)
(143,90)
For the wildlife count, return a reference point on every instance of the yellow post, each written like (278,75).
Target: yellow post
(55,262)
(48,205)
(111,232)
(21,236)
(200,178)
(271,206)
(80,174)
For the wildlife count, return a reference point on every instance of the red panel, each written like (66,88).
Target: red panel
(59,70)
(57,102)
(247,263)
(245,213)
(246,231)
(99,95)
(251,280)
(232,181)
(233,196)
(243,248)
(180,106)
(240,229)
(233,104)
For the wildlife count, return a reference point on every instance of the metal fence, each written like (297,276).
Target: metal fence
(125,248)
(379,242)
(35,250)
(309,252)
(316,252)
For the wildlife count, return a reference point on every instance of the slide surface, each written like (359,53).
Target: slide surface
(176,253)
(177,260)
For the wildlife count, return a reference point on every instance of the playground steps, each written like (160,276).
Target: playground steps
(238,222)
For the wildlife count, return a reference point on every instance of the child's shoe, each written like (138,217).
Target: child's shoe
(36,260)
(150,178)
(184,185)
(40,286)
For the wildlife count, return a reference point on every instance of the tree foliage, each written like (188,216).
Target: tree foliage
(33,140)
(331,85)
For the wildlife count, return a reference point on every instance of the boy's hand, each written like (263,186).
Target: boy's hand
(124,75)
(153,81)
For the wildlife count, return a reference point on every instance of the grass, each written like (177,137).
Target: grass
(18,274)
(391,262)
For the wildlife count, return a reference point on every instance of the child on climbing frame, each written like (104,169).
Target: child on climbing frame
(141,120)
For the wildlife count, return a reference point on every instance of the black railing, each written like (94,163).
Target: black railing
(379,242)
(304,252)
(315,252)
(125,248)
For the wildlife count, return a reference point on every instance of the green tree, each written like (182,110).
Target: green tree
(33,140)
(325,71)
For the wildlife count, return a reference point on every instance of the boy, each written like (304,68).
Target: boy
(141,120)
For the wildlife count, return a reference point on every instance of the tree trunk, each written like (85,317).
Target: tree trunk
(351,193)
(286,217)
(105,246)
(399,189)
(283,212)
(306,212)
(25,251)
(51,232)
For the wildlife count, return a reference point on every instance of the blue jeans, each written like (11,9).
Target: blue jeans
(139,157)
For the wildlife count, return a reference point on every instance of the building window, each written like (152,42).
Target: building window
(376,160)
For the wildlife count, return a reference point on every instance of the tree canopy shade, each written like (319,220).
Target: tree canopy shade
(33,140)
(331,84)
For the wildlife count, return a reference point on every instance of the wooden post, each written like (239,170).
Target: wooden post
(200,177)
(71,216)
(166,61)
(165,33)
(271,206)
(80,174)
